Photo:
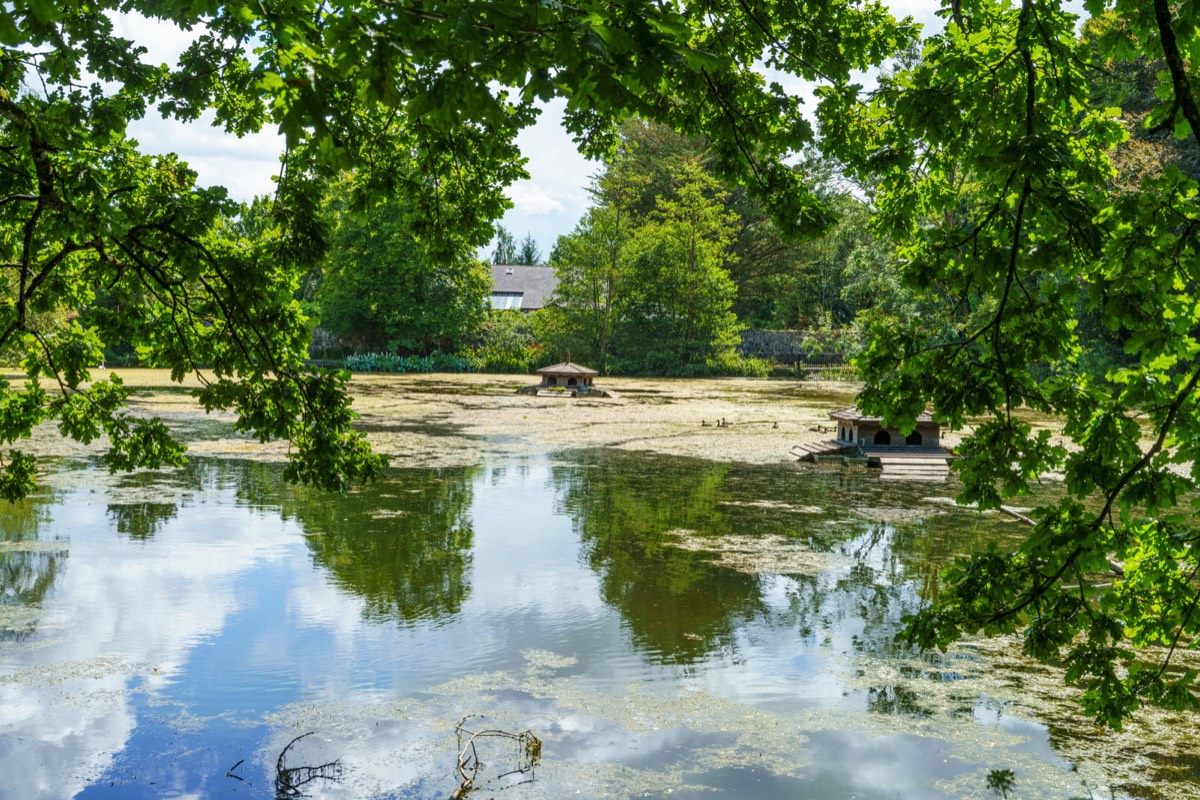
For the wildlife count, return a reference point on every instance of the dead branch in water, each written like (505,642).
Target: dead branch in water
(288,780)
(229,772)
(1017,515)
(528,754)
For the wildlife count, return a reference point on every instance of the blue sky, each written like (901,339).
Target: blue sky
(547,204)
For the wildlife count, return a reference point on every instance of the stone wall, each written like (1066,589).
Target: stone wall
(323,341)
(789,347)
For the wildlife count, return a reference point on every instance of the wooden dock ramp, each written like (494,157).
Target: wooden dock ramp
(911,465)
(806,450)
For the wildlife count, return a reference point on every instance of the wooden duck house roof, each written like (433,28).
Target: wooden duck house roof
(852,414)
(570,369)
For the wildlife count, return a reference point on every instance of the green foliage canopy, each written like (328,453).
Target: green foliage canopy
(824,281)
(382,290)
(995,177)
(781,282)
(653,293)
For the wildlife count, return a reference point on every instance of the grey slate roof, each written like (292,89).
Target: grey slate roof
(569,368)
(534,284)
(852,414)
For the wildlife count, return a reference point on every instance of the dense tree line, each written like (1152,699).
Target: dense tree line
(671,261)
(657,278)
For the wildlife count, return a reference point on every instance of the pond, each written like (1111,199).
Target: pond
(666,627)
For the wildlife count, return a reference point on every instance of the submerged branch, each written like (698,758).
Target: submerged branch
(528,755)
(289,780)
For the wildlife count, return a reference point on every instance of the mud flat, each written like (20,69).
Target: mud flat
(456,420)
(436,420)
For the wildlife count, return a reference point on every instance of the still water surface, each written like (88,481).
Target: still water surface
(667,627)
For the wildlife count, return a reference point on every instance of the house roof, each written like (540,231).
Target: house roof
(569,368)
(852,414)
(536,285)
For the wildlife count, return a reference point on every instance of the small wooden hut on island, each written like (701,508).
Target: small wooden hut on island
(866,440)
(567,380)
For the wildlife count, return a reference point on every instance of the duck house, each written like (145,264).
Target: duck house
(567,380)
(860,430)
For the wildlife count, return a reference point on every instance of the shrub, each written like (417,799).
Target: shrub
(492,359)
(740,366)
(726,363)
(449,362)
(508,343)
(360,362)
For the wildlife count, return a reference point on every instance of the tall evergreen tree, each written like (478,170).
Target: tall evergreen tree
(528,253)
(677,317)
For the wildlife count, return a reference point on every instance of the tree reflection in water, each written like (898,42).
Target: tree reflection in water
(681,606)
(678,605)
(141,521)
(403,543)
(29,565)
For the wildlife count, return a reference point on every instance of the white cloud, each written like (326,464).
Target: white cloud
(555,196)
(164,41)
(121,613)
(243,166)
(533,200)
(922,11)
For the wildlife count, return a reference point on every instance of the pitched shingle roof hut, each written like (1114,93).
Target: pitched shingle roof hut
(567,378)
(857,428)
(568,374)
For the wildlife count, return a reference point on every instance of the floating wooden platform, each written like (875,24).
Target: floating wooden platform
(911,465)
(806,450)
(902,464)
